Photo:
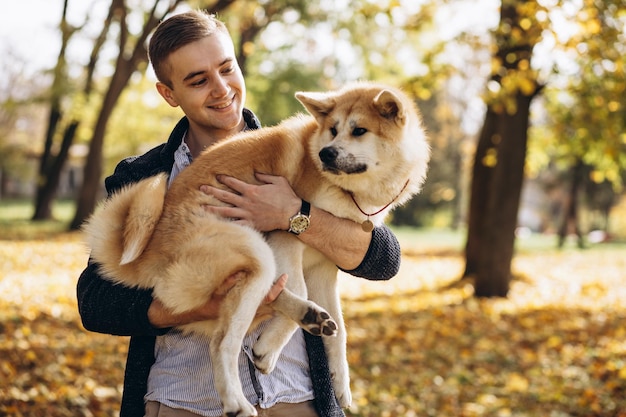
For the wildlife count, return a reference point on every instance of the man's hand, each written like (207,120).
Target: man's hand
(269,207)
(161,317)
(264,207)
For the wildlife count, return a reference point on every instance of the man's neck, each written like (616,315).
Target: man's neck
(198,140)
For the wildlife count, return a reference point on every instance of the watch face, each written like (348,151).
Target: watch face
(299,224)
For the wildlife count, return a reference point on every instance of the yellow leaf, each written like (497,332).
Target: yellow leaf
(554,341)
(517,383)
(526,86)
(31,356)
(491,158)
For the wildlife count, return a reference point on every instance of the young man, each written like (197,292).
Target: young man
(168,372)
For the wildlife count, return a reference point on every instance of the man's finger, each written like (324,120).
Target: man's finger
(276,289)
(267,178)
(232,182)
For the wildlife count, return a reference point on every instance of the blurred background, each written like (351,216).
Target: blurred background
(523,100)
(61,58)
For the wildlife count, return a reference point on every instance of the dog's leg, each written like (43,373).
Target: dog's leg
(225,347)
(295,309)
(321,281)
(276,335)
(194,276)
(238,311)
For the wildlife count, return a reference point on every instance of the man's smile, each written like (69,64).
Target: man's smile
(224,105)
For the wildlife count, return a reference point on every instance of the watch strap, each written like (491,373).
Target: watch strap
(305,208)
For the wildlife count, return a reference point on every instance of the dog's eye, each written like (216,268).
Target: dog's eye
(333,131)
(359,131)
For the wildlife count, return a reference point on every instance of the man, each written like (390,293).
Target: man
(168,372)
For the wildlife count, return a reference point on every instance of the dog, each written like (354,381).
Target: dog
(361,151)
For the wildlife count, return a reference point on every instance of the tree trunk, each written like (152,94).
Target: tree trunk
(47,191)
(51,164)
(570,215)
(88,194)
(498,170)
(481,178)
(500,217)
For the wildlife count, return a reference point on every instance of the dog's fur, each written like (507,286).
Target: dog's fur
(366,140)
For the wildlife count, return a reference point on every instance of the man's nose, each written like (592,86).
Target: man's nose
(220,87)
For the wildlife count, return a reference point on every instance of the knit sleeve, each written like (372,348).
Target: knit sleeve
(382,260)
(105,307)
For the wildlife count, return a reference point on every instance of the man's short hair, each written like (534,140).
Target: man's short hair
(177,31)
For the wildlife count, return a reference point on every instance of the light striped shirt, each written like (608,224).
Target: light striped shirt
(182,376)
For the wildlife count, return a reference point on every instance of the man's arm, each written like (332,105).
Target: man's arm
(113,309)
(342,241)
(269,206)
(160,317)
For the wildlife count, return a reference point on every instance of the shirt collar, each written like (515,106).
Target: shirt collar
(182,159)
(182,154)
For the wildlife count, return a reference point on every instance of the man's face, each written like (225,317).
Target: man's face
(208,85)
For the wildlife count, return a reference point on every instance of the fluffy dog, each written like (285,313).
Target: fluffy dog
(361,152)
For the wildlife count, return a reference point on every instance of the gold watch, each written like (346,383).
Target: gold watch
(301,221)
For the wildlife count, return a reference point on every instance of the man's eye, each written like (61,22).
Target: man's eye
(333,131)
(228,70)
(359,131)
(199,82)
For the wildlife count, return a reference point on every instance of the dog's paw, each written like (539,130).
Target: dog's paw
(265,362)
(318,323)
(344,398)
(239,408)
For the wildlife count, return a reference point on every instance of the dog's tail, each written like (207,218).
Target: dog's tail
(119,231)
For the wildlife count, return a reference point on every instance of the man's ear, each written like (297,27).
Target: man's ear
(166,93)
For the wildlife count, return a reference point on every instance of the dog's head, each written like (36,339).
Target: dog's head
(369,135)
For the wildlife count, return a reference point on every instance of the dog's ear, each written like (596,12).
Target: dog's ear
(318,104)
(389,106)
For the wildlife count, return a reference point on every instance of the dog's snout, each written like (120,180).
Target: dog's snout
(328,155)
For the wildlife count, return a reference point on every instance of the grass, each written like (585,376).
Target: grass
(16,223)
(426,240)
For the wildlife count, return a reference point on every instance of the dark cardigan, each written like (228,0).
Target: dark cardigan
(117,310)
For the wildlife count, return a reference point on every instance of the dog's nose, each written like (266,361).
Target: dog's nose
(328,155)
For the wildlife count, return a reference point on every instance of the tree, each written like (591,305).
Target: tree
(498,169)
(9,114)
(132,52)
(584,134)
(52,161)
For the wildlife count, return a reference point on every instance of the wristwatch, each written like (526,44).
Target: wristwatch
(301,221)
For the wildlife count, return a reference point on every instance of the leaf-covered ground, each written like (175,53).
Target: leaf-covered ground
(417,346)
